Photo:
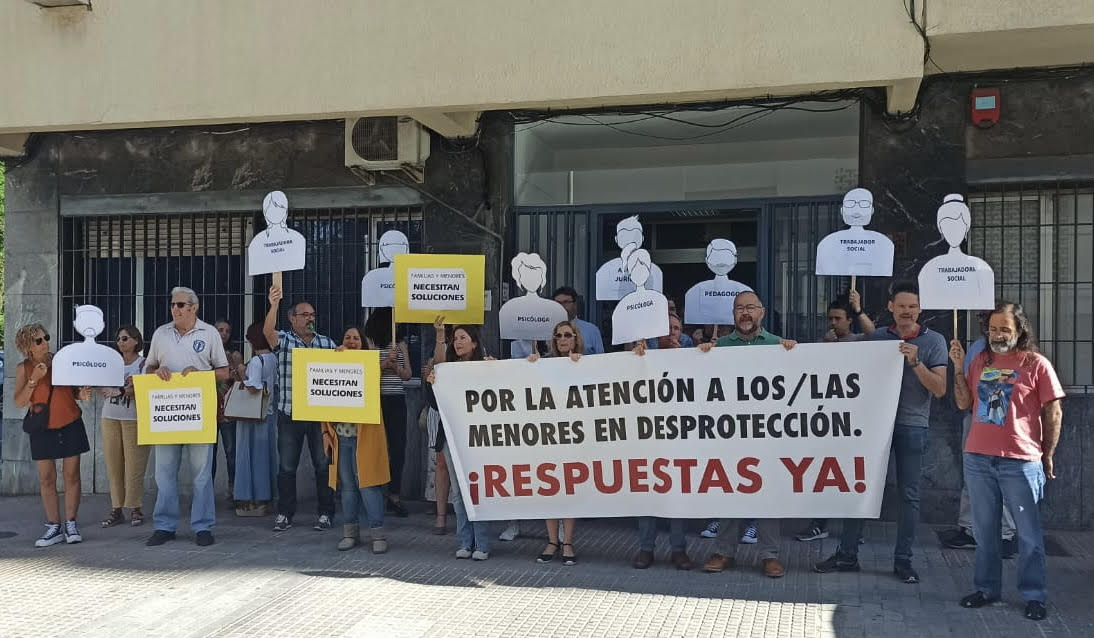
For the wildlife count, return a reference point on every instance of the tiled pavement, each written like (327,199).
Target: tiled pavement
(256,582)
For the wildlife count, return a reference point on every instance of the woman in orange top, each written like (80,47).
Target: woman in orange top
(63,438)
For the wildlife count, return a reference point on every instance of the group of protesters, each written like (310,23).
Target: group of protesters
(1010,440)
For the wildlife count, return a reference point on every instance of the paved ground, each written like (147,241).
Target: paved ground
(256,582)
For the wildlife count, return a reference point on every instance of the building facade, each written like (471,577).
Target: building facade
(129,174)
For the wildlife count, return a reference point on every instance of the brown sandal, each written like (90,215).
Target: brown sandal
(136,517)
(115,517)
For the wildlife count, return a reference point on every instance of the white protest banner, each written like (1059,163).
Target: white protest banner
(674,433)
(856,251)
(954,280)
(86,362)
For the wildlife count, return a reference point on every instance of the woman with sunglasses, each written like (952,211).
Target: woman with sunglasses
(566,342)
(126,461)
(465,345)
(64,436)
(359,469)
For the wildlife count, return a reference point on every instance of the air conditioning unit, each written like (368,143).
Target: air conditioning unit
(387,144)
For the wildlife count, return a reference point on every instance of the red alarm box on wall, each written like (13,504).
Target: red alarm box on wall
(984,104)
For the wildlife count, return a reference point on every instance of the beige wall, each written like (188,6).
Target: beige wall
(159,62)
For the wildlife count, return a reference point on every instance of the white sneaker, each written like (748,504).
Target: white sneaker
(72,533)
(281,523)
(322,524)
(750,536)
(511,532)
(480,555)
(52,536)
(711,531)
(463,552)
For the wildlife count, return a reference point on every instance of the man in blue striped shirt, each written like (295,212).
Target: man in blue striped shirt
(292,434)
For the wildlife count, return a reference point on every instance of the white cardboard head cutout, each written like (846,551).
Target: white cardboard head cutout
(856,251)
(711,301)
(629,232)
(529,316)
(954,280)
(721,256)
(954,220)
(642,313)
(278,248)
(858,207)
(613,282)
(392,243)
(86,362)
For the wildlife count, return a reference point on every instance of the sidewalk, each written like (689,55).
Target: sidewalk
(256,582)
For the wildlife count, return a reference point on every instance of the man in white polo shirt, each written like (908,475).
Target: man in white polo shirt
(185,345)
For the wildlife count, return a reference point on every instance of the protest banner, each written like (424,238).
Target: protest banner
(735,432)
(428,285)
(339,387)
(182,410)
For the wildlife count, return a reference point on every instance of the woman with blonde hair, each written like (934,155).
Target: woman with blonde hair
(60,435)
(565,342)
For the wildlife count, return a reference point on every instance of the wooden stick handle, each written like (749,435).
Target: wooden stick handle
(955,324)
(277,279)
(854,279)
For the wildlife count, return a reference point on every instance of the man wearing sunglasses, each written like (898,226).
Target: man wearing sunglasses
(291,434)
(185,345)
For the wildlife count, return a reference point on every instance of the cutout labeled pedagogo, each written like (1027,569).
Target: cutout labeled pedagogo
(612,282)
(530,316)
(86,362)
(856,251)
(954,280)
(378,284)
(711,301)
(278,248)
(644,313)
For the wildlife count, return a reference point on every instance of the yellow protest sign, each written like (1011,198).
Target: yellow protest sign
(182,410)
(447,285)
(340,387)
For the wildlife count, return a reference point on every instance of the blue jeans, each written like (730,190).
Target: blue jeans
(993,481)
(227,434)
(199,459)
(472,534)
(353,496)
(255,459)
(647,533)
(909,443)
(290,443)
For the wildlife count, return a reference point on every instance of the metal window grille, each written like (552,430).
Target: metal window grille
(800,298)
(1038,240)
(128,264)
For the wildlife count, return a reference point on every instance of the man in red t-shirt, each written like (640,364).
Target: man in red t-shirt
(1015,399)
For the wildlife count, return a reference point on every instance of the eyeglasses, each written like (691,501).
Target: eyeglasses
(305,314)
(860,203)
(181,304)
(750,308)
(123,339)
(43,339)
(564,335)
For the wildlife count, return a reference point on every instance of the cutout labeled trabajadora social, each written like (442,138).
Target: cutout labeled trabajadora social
(644,313)
(378,284)
(711,301)
(612,282)
(529,316)
(955,280)
(86,362)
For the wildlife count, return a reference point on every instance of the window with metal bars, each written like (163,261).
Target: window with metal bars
(1038,240)
(128,264)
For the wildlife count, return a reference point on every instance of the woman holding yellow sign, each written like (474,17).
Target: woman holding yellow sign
(359,469)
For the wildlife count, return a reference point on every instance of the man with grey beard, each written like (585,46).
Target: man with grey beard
(1015,399)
